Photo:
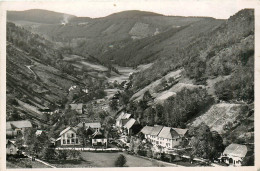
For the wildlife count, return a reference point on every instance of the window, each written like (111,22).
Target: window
(72,135)
(64,142)
(77,141)
(72,141)
(68,141)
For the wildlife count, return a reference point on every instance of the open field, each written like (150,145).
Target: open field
(91,159)
(20,163)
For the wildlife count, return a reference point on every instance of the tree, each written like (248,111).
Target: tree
(48,153)
(204,143)
(62,154)
(121,161)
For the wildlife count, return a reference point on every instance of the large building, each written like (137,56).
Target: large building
(165,137)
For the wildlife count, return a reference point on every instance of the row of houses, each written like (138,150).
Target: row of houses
(69,136)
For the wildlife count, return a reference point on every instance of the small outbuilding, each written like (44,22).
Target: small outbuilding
(234,154)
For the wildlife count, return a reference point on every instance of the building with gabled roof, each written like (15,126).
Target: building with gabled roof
(11,148)
(234,154)
(98,139)
(132,126)
(77,107)
(122,119)
(165,137)
(69,136)
(94,125)
(14,128)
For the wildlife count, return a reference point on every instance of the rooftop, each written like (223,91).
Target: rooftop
(130,123)
(236,150)
(18,124)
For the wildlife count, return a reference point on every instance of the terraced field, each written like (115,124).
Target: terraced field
(218,115)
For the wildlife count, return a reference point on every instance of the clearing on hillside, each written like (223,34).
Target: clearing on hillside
(219,115)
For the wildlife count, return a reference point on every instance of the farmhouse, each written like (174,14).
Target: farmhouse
(14,128)
(77,107)
(98,139)
(132,126)
(69,136)
(165,137)
(11,148)
(94,125)
(122,119)
(234,154)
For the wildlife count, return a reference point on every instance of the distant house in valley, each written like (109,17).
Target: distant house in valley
(122,119)
(94,125)
(98,139)
(132,126)
(11,148)
(14,128)
(77,107)
(234,154)
(69,136)
(165,137)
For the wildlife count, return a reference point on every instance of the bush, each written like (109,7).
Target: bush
(121,161)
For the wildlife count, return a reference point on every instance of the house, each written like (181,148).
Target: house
(98,139)
(77,107)
(234,154)
(11,148)
(132,126)
(69,136)
(122,119)
(165,137)
(94,125)
(14,128)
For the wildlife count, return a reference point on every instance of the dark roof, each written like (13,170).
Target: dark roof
(91,125)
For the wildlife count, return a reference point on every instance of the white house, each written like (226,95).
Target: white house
(165,137)
(69,136)
(98,139)
(234,154)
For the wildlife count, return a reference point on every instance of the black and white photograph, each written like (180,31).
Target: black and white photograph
(106,84)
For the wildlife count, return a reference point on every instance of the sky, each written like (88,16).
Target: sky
(221,9)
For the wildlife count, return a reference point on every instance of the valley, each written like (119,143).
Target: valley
(137,78)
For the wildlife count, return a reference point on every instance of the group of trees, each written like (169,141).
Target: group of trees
(205,143)
(174,112)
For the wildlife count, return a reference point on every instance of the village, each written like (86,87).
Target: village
(156,142)
(131,89)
